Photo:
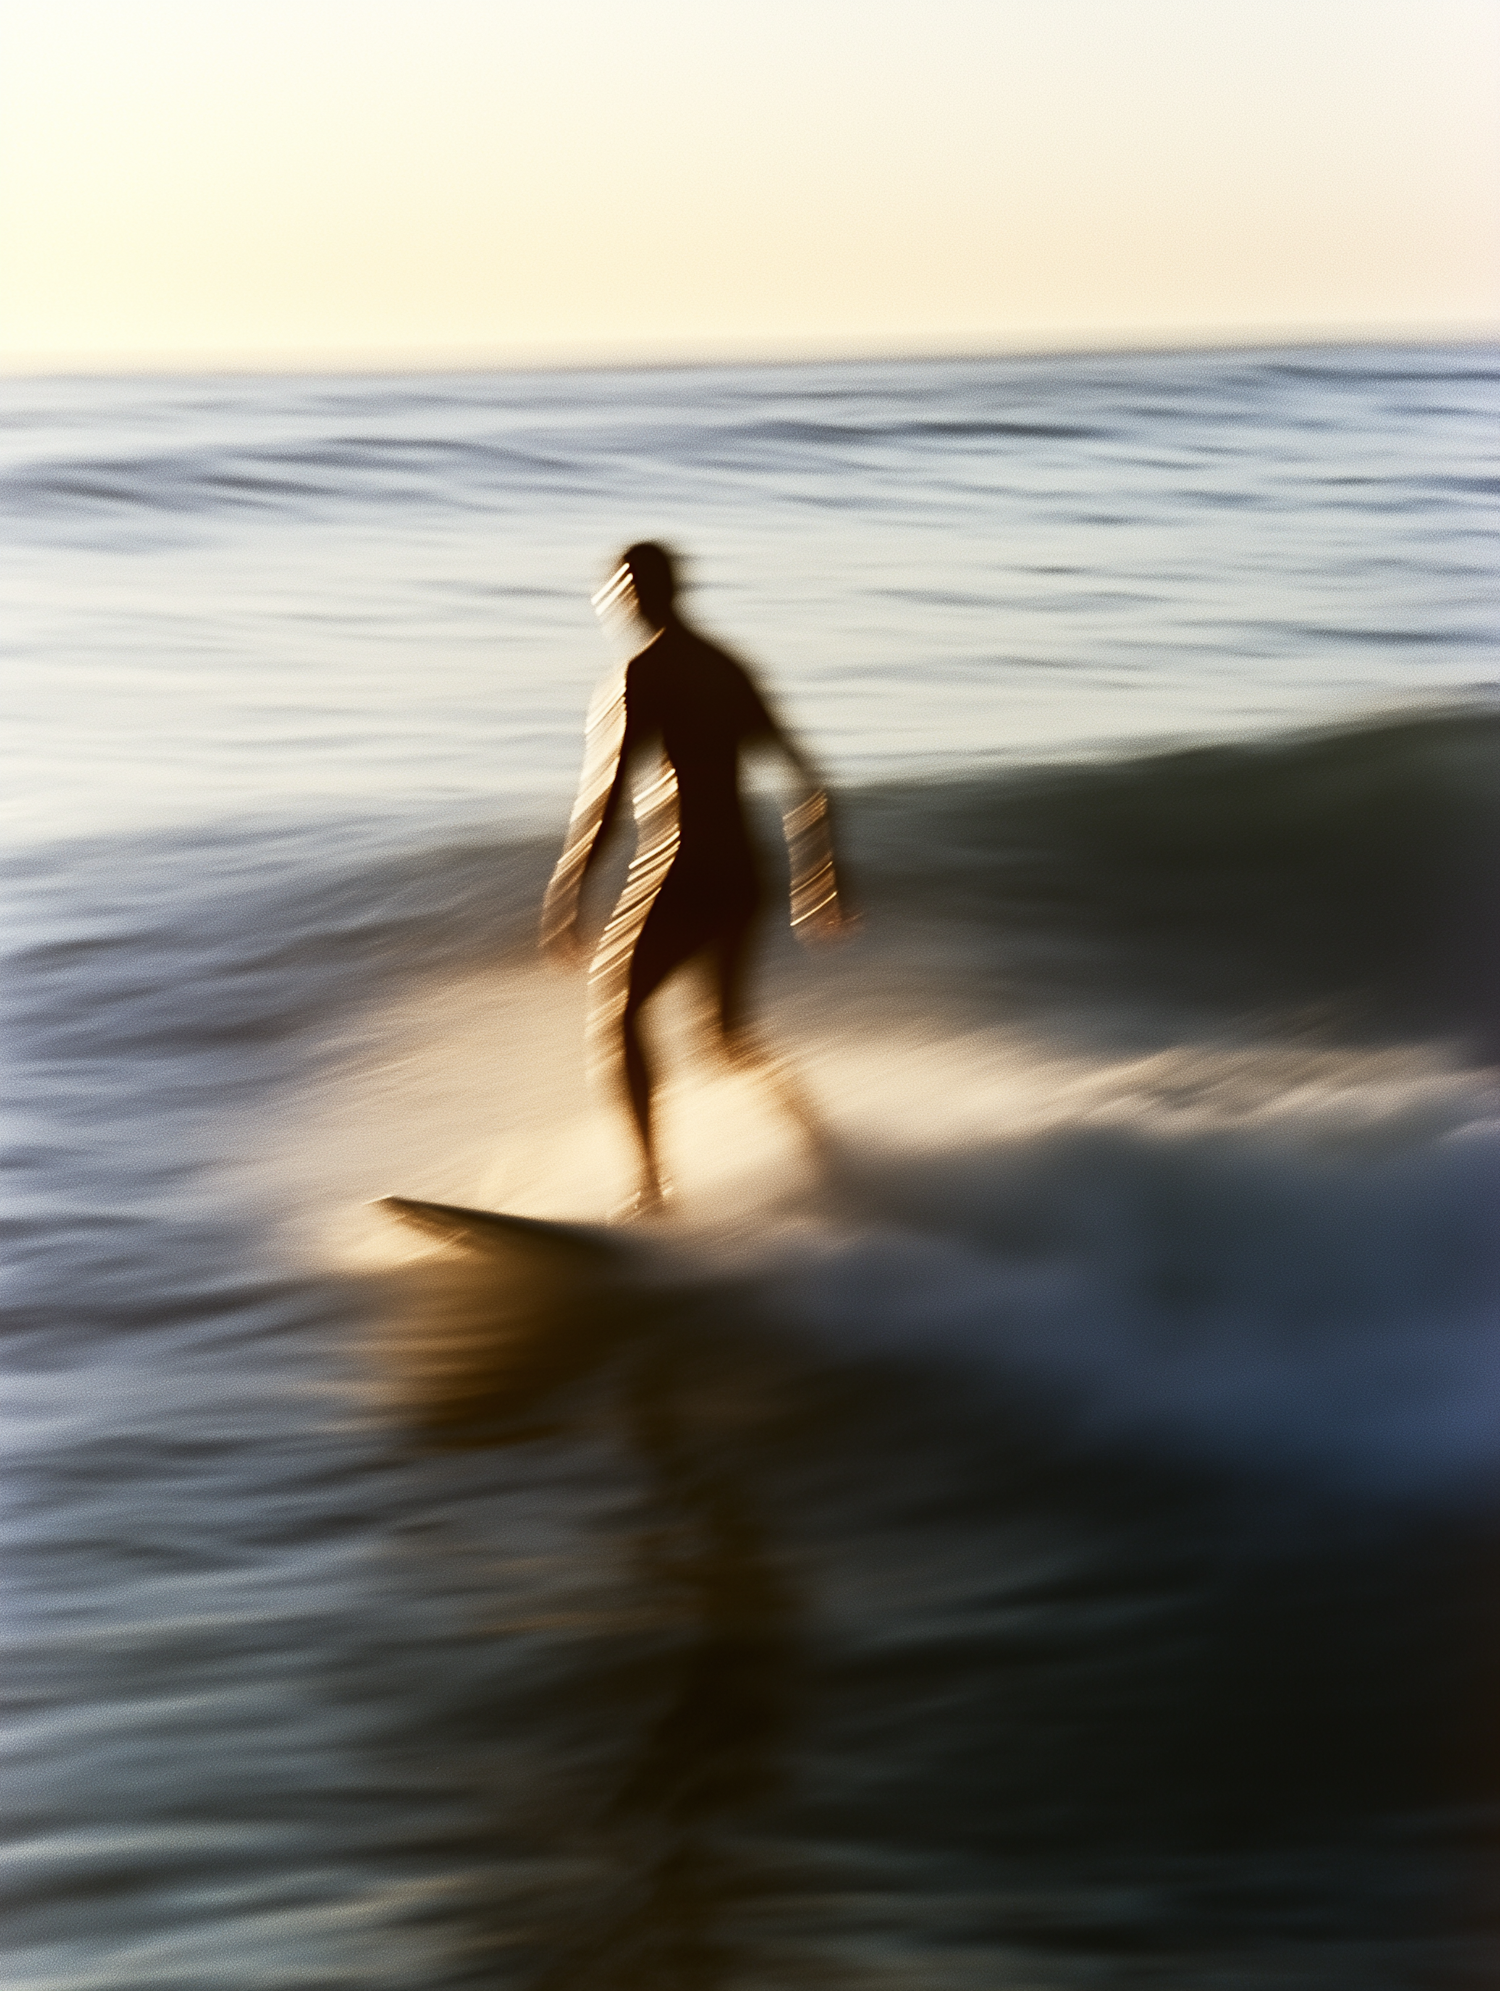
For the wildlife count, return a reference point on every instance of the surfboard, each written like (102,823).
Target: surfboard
(492,1231)
(478,1339)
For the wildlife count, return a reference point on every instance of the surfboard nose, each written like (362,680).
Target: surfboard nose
(498,1232)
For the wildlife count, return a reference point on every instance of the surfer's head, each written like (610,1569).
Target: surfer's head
(653,575)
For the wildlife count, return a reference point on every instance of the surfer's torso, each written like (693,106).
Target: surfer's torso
(704,709)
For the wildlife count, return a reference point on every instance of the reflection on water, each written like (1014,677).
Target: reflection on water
(650,1869)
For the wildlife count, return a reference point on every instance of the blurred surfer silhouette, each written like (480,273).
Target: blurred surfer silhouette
(675,724)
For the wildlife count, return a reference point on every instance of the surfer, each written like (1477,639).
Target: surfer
(676,723)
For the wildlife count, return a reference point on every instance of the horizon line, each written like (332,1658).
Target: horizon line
(664,357)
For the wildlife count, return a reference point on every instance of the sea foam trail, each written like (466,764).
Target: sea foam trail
(1272,1310)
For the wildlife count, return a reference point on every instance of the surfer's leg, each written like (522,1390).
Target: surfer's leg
(638,1096)
(731,963)
(744,1049)
(638,1086)
(662,948)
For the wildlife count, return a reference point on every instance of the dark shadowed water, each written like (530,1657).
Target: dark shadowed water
(1055,1549)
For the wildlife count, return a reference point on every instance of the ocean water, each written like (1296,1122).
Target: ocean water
(1053,1545)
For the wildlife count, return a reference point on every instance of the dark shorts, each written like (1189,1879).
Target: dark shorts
(699,909)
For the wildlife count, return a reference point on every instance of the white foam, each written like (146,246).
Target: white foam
(1273,1254)
(1228,1296)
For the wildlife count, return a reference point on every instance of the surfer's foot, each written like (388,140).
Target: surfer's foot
(650,1200)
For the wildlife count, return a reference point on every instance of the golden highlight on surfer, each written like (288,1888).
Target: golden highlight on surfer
(669,733)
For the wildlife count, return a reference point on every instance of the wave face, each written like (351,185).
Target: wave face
(1053,1542)
(1350,874)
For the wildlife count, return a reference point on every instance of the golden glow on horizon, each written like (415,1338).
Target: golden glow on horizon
(478,179)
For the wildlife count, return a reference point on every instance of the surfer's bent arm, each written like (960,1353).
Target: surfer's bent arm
(600,790)
(808,827)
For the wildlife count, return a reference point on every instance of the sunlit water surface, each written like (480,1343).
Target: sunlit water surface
(1054,1547)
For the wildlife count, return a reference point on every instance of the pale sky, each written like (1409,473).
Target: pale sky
(476,181)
